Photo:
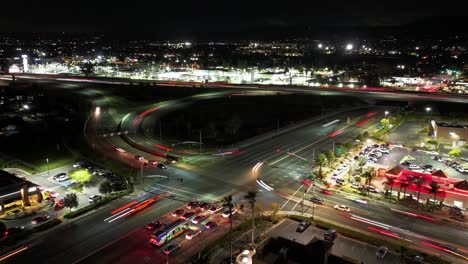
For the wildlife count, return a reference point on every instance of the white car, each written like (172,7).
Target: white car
(215,208)
(93,198)
(377,153)
(192,233)
(342,208)
(384,150)
(414,167)
(227,212)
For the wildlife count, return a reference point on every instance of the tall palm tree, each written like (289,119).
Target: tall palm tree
(368,174)
(403,185)
(434,189)
(227,202)
(390,181)
(251,195)
(419,183)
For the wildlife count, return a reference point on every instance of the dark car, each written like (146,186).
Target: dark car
(39,219)
(162,166)
(317,200)
(138,157)
(210,225)
(330,235)
(302,226)
(171,248)
(406,163)
(192,205)
(204,206)
(14,230)
(187,215)
(427,167)
(178,212)
(154,225)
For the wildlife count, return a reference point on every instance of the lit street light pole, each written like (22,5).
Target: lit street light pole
(386,113)
(48,169)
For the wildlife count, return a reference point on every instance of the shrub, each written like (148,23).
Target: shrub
(98,203)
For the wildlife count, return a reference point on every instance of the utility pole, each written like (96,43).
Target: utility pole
(200,141)
(333,146)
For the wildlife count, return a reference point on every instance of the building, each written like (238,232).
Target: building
(17,192)
(452,192)
(456,133)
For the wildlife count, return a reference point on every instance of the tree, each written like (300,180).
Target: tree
(362,160)
(81,176)
(455,153)
(251,195)
(368,174)
(274,208)
(434,189)
(365,134)
(211,130)
(233,125)
(331,156)
(419,183)
(87,68)
(390,181)
(227,202)
(105,187)
(70,201)
(385,122)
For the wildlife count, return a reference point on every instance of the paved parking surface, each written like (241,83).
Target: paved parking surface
(343,247)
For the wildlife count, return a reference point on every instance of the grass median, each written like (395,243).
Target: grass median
(95,205)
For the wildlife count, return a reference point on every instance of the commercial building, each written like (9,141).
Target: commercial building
(452,192)
(17,192)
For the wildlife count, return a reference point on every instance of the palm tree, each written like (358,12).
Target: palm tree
(227,202)
(419,183)
(403,185)
(390,181)
(251,195)
(368,174)
(434,189)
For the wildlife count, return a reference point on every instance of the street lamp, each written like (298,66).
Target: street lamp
(428,109)
(386,113)
(48,170)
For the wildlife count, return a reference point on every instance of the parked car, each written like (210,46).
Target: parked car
(61,177)
(381,252)
(302,226)
(330,235)
(51,194)
(406,163)
(384,150)
(414,167)
(171,248)
(60,204)
(152,163)
(355,185)
(138,157)
(340,181)
(162,166)
(78,164)
(341,207)
(40,219)
(94,198)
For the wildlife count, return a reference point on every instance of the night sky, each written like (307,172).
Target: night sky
(173,18)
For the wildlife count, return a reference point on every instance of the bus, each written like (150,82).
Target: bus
(169,232)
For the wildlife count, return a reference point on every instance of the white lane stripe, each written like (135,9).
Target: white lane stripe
(268,186)
(331,123)
(290,197)
(180,190)
(121,212)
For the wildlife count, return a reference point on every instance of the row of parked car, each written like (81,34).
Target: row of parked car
(455,165)
(115,180)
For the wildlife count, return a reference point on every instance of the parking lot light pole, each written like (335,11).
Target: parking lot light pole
(48,168)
